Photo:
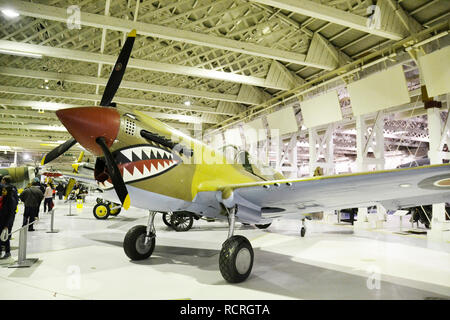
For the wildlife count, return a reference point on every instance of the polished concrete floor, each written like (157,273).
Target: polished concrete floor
(85,260)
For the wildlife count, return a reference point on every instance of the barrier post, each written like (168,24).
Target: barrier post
(70,209)
(22,261)
(52,219)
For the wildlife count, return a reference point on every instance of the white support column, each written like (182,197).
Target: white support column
(361,130)
(440,228)
(312,150)
(321,146)
(378,129)
(289,158)
(366,140)
(292,159)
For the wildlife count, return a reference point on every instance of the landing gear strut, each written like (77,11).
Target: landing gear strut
(303,228)
(236,256)
(139,241)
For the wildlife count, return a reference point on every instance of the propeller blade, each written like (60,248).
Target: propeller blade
(114,173)
(119,69)
(59,150)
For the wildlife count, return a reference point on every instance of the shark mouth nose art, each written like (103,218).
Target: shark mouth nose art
(138,163)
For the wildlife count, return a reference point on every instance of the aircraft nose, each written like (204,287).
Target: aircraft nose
(86,124)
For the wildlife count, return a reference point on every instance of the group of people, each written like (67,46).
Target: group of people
(31,197)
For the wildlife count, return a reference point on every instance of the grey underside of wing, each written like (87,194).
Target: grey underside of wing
(81,177)
(355,191)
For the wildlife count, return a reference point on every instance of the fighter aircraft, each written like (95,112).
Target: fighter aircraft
(146,163)
(20,176)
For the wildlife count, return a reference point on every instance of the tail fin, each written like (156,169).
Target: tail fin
(69,188)
(77,164)
(80,158)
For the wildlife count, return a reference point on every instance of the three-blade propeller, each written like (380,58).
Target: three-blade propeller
(108,95)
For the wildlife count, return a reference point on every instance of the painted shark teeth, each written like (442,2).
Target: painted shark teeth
(141,162)
(105,185)
(145,152)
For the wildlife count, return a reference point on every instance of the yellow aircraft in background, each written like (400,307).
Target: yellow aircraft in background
(21,176)
(146,163)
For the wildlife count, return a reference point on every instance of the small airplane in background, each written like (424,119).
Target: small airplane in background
(146,163)
(21,176)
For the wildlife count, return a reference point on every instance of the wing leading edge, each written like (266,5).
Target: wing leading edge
(393,189)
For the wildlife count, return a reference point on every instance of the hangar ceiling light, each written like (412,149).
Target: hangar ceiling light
(10,13)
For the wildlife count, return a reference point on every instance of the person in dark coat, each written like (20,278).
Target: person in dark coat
(7,181)
(7,215)
(60,190)
(32,198)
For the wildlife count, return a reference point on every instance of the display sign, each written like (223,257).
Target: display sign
(254,131)
(283,120)
(435,69)
(379,91)
(321,110)
(233,137)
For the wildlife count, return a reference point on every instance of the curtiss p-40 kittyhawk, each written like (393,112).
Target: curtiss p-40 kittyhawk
(146,163)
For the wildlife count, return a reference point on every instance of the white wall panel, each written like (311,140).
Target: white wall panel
(283,120)
(321,110)
(435,68)
(254,131)
(233,137)
(379,91)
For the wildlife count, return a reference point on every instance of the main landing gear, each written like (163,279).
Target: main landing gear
(179,220)
(235,259)
(236,256)
(139,241)
(303,228)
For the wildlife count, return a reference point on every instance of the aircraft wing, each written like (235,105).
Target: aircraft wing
(394,189)
(86,178)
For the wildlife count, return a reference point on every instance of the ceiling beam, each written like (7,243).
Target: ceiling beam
(40,127)
(95,97)
(159,31)
(35,74)
(29,121)
(55,106)
(148,65)
(330,14)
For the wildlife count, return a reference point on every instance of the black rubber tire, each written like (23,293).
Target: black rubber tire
(302,232)
(181,221)
(117,211)
(263,226)
(227,259)
(166,218)
(130,243)
(101,211)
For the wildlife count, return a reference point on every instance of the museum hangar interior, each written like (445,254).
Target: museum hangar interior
(231,149)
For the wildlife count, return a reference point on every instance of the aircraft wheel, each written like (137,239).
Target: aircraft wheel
(236,259)
(101,211)
(114,212)
(134,244)
(181,221)
(263,226)
(166,218)
(302,232)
